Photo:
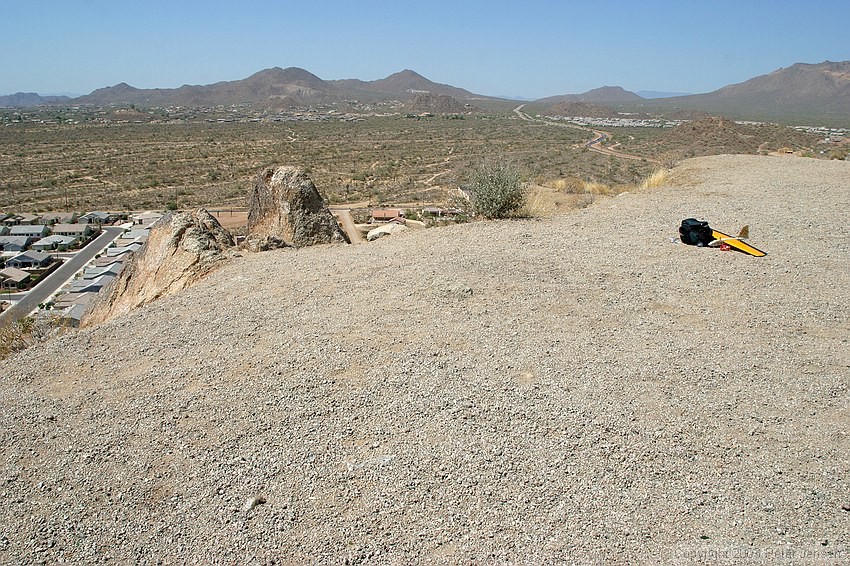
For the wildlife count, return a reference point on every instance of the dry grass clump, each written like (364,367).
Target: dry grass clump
(657,179)
(539,201)
(596,188)
(551,199)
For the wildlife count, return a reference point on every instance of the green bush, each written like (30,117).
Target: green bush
(496,189)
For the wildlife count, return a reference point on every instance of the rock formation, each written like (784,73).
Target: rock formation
(181,249)
(286,204)
(385,230)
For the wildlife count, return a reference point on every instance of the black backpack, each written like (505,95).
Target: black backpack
(695,232)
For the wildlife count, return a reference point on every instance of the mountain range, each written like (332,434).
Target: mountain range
(801,89)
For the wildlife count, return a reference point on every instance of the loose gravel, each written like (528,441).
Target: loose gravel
(575,389)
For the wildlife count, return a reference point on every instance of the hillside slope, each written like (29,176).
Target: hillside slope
(803,89)
(576,389)
(715,135)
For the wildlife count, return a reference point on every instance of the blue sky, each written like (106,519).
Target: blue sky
(534,48)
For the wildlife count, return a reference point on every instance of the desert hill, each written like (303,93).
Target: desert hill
(28,99)
(271,87)
(434,103)
(605,94)
(715,135)
(555,390)
(801,89)
(276,87)
(402,85)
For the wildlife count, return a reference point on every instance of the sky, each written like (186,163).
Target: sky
(532,48)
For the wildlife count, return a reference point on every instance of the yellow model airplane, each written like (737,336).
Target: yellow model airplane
(737,242)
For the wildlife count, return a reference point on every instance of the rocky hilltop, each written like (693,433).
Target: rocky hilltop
(182,249)
(568,390)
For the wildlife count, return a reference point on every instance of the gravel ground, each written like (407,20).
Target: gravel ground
(575,389)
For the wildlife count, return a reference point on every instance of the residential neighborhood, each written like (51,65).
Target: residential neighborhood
(33,246)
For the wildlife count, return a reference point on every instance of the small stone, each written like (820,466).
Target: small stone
(252,502)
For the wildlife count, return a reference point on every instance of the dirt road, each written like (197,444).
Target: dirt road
(347,224)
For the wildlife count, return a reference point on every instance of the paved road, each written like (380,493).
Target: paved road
(55,280)
(593,145)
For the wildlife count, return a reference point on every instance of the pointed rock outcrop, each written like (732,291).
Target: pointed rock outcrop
(285,204)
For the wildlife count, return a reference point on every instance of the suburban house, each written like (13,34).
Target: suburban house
(106,261)
(55,242)
(30,230)
(73,315)
(15,243)
(12,278)
(97,217)
(95,272)
(22,218)
(115,252)
(59,218)
(71,299)
(91,285)
(440,212)
(145,219)
(78,230)
(29,260)
(387,215)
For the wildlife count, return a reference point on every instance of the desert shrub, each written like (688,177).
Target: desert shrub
(496,189)
(27,331)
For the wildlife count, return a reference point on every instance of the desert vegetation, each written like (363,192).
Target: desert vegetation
(496,189)
(74,163)
(377,160)
(25,332)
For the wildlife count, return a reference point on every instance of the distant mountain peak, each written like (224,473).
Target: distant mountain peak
(604,94)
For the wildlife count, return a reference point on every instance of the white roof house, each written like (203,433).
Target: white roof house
(87,285)
(112,252)
(76,230)
(54,242)
(31,230)
(29,259)
(95,272)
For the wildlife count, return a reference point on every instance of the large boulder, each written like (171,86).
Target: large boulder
(285,204)
(181,249)
(385,230)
